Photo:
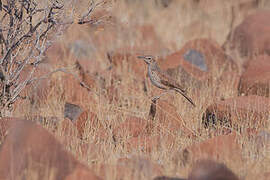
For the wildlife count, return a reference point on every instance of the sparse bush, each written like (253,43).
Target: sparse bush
(27,29)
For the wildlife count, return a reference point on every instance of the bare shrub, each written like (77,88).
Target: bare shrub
(27,29)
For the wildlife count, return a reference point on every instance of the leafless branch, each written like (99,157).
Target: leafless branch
(27,29)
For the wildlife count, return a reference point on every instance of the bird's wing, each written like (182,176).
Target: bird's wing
(170,82)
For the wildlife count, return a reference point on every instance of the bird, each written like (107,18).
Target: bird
(161,79)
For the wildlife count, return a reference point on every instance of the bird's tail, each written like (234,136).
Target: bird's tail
(184,94)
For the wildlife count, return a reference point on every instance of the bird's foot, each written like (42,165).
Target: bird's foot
(154,99)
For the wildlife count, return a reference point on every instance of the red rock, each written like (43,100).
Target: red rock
(87,68)
(68,128)
(112,93)
(168,120)
(86,122)
(5,124)
(30,150)
(144,165)
(208,53)
(90,150)
(252,36)
(82,173)
(89,80)
(140,134)
(149,143)
(222,147)
(75,93)
(83,121)
(256,78)
(245,5)
(200,61)
(132,168)
(266,176)
(131,127)
(211,170)
(143,143)
(243,111)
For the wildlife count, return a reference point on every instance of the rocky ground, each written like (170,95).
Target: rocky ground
(219,50)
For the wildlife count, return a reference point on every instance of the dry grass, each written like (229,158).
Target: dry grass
(174,26)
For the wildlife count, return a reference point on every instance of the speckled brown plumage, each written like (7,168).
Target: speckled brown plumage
(161,80)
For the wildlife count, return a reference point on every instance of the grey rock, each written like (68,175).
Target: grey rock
(196,58)
(72,111)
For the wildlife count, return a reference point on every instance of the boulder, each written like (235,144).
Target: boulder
(252,36)
(77,94)
(168,121)
(72,111)
(256,78)
(131,127)
(134,167)
(222,147)
(88,122)
(30,151)
(211,170)
(238,112)
(200,62)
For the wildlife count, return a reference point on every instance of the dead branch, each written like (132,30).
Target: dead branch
(27,29)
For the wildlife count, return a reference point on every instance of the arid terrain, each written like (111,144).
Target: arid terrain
(96,119)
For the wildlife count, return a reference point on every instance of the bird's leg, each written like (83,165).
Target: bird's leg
(154,99)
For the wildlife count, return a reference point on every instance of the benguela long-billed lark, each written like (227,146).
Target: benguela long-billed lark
(162,80)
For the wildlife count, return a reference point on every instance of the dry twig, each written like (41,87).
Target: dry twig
(27,28)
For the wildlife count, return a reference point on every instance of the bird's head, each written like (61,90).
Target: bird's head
(147,59)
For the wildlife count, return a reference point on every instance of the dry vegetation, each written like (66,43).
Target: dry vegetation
(118,91)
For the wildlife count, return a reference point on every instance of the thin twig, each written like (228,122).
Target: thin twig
(25,29)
